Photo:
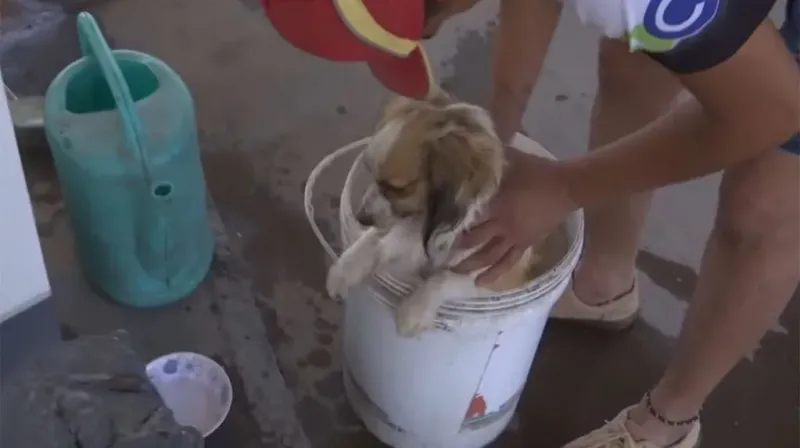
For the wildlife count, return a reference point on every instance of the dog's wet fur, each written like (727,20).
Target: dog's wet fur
(435,164)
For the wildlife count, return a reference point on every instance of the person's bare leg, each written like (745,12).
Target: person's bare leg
(632,91)
(750,269)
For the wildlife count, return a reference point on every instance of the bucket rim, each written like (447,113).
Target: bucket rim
(496,303)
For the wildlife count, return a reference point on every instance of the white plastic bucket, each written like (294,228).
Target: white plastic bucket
(456,386)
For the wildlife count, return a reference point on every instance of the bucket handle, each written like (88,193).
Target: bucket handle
(93,45)
(308,191)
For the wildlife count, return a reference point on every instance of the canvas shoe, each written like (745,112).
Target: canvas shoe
(618,313)
(614,434)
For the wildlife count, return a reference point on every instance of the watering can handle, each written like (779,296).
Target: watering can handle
(94,45)
(308,192)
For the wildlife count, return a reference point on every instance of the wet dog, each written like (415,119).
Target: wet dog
(434,165)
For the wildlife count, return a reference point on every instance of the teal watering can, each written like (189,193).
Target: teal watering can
(121,127)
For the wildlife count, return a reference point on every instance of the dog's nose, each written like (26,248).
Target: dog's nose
(365,219)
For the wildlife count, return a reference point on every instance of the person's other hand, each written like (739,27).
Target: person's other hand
(532,201)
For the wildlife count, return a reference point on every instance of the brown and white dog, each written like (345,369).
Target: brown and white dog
(435,164)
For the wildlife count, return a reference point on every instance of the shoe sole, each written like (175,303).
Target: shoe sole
(608,325)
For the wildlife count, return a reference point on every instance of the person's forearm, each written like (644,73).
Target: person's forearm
(524,33)
(738,109)
(682,145)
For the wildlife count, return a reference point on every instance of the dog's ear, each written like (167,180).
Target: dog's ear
(444,208)
(460,166)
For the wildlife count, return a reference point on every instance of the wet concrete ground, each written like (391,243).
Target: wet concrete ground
(267,113)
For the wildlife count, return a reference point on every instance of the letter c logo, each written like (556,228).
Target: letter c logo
(677,19)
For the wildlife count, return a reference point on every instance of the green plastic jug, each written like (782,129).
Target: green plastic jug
(121,128)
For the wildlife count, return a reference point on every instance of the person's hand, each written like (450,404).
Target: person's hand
(532,201)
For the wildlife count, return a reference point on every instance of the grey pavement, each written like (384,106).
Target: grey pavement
(267,113)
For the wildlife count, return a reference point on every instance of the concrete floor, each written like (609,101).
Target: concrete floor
(266,114)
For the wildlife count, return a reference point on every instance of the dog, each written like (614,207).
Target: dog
(434,165)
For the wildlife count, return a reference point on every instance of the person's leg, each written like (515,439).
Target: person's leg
(750,269)
(633,90)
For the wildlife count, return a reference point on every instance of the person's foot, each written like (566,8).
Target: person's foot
(618,433)
(617,313)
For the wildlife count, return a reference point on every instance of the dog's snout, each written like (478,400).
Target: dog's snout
(365,219)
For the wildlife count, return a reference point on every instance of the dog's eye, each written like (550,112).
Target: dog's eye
(404,214)
(390,190)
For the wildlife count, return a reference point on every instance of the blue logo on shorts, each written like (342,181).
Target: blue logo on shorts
(678,19)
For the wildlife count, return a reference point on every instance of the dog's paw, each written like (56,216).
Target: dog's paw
(338,282)
(348,272)
(413,318)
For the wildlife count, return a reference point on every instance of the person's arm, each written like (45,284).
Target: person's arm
(746,105)
(524,33)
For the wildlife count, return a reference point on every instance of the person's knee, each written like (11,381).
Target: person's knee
(750,218)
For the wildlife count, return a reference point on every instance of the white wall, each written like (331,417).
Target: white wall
(23,278)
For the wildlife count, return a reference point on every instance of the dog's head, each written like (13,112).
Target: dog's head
(435,160)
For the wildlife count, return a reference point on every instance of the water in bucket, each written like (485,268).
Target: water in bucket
(121,127)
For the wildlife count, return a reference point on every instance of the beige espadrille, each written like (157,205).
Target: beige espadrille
(615,434)
(618,313)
